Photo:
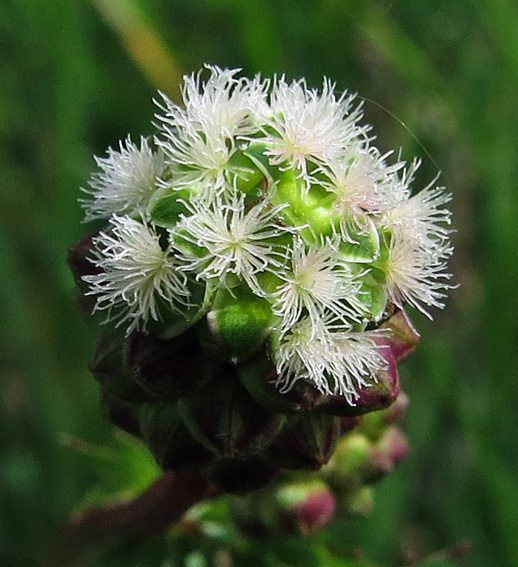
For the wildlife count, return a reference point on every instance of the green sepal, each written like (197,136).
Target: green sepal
(250,166)
(167,205)
(174,321)
(365,249)
(374,294)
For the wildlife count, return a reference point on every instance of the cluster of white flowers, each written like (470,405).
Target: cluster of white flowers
(278,188)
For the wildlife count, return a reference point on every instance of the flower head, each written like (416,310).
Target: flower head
(269,202)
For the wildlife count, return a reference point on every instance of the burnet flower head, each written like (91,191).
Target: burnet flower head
(263,211)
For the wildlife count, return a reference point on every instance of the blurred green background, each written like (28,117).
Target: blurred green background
(440,79)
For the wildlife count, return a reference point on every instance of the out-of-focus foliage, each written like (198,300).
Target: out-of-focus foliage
(439,78)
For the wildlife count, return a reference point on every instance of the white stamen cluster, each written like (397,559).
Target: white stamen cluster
(275,188)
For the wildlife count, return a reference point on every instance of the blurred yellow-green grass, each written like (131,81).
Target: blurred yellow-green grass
(440,79)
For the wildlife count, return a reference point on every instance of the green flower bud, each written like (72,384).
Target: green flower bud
(344,470)
(238,322)
(359,502)
(285,508)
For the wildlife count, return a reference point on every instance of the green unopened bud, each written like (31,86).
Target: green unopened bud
(238,322)
(344,470)
(375,423)
(359,502)
(252,167)
(167,205)
(285,507)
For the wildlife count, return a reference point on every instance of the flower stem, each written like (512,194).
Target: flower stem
(149,514)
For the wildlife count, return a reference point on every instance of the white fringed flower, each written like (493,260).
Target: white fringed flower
(337,363)
(416,271)
(360,183)
(126,182)
(423,217)
(233,240)
(200,138)
(224,105)
(136,274)
(320,285)
(304,125)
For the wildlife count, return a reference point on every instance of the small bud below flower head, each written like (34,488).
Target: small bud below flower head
(359,502)
(344,470)
(304,507)
(394,444)
(374,424)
